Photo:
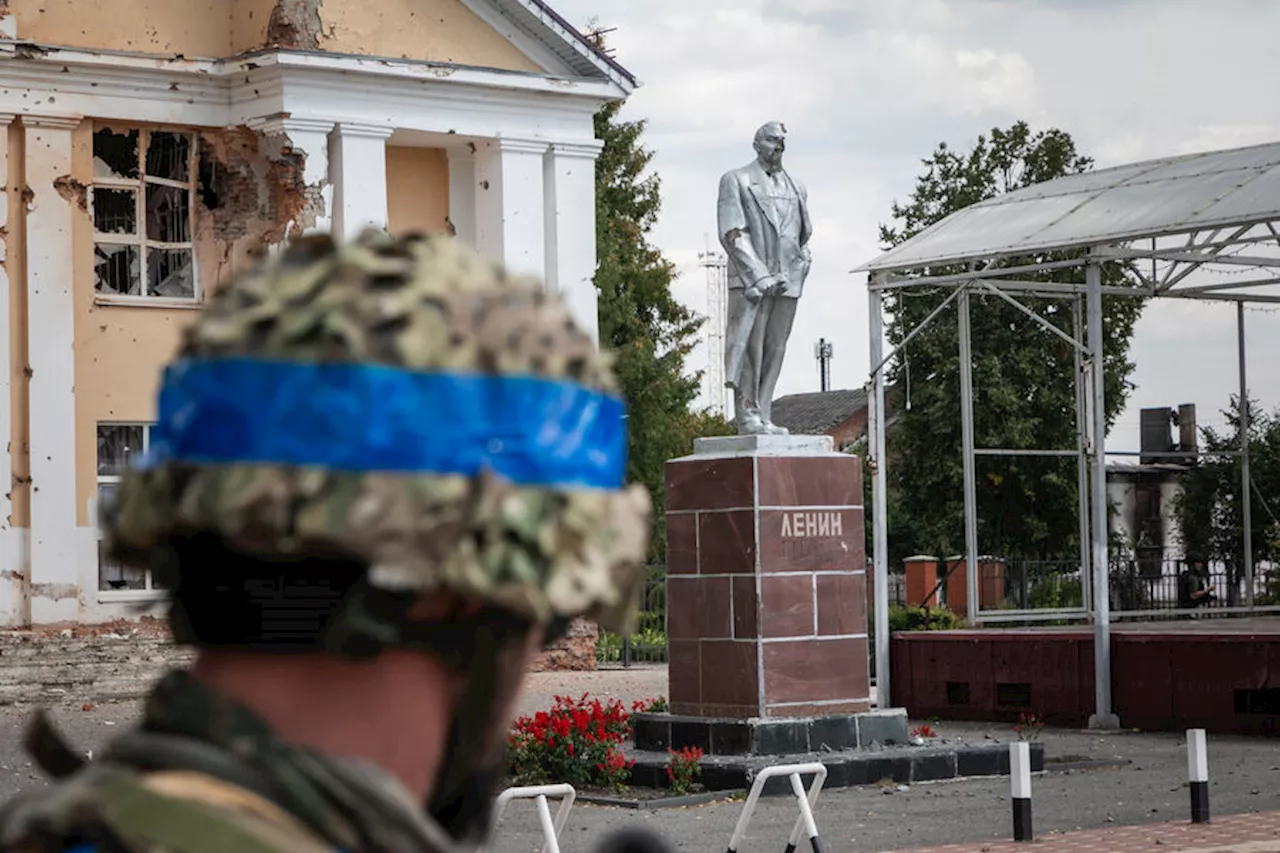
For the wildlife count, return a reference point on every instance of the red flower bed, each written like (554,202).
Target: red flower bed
(576,741)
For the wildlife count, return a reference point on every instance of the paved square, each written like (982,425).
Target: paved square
(1246,833)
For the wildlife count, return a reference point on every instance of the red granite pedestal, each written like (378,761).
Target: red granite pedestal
(766,580)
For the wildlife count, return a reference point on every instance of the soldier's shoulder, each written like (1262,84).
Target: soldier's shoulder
(113,810)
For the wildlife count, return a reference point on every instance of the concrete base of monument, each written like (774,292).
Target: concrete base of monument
(857,749)
(771,735)
(764,445)
(903,765)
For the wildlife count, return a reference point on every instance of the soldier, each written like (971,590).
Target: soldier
(383,474)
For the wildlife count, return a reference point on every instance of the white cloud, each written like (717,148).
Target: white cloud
(868,88)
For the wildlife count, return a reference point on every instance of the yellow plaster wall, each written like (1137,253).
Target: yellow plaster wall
(417,189)
(439,30)
(16,266)
(249,24)
(194,28)
(119,350)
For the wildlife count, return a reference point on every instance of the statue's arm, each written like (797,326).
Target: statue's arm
(732,227)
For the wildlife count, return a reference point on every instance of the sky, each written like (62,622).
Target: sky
(868,88)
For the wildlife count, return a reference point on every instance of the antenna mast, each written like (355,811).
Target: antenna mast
(823,351)
(717,267)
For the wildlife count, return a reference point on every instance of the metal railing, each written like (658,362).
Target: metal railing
(1156,582)
(1163,582)
(648,643)
(1053,589)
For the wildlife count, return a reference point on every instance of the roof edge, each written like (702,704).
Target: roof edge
(885,261)
(556,23)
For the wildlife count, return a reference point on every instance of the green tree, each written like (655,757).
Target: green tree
(1209,510)
(1024,393)
(650,332)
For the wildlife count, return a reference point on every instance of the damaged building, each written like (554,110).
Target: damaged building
(152,149)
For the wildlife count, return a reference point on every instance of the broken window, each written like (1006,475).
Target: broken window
(143,213)
(118,445)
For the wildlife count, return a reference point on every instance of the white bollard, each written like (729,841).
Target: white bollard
(1020,782)
(1198,775)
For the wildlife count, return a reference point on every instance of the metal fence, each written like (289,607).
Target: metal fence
(1151,583)
(1146,586)
(1164,583)
(648,644)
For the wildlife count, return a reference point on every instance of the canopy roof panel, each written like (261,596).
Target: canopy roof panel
(1172,195)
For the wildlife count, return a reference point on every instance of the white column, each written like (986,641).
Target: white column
(509,204)
(50,317)
(310,138)
(462,193)
(9,557)
(570,204)
(358,173)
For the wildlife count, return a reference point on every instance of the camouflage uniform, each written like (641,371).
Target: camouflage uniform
(400,406)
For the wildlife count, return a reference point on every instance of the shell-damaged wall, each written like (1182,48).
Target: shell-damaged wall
(250,194)
(434,30)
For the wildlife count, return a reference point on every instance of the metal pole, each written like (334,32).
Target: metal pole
(1246,498)
(1082,461)
(1102,718)
(879,513)
(970,478)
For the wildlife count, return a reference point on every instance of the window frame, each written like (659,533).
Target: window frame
(139,239)
(113,596)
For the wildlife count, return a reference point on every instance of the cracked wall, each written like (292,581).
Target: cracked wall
(250,195)
(16,603)
(434,30)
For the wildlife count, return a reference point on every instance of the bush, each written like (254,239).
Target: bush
(650,706)
(578,742)
(647,644)
(1055,592)
(922,619)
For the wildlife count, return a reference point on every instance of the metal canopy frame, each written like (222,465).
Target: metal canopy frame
(1196,227)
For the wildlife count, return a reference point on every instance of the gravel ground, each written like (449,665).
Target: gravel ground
(1244,772)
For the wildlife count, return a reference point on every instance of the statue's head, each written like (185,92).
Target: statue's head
(770,142)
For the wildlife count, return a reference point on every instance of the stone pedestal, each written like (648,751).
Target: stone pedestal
(921,581)
(766,580)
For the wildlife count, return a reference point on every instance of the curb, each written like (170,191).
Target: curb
(658,803)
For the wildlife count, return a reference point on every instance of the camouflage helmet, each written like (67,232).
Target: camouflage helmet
(406,404)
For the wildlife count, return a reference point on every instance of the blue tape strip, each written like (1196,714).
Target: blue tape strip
(359,417)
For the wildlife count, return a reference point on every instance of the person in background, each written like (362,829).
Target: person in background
(1193,586)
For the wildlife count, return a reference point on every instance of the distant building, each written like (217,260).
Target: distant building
(839,414)
(1143,494)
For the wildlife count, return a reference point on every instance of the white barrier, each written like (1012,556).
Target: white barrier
(1198,775)
(806,803)
(1020,789)
(538,793)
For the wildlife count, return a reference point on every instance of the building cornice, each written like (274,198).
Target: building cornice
(587,150)
(294,86)
(365,131)
(283,124)
(53,122)
(372,67)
